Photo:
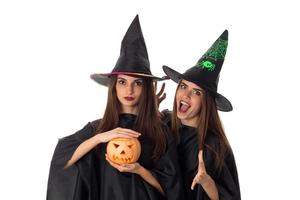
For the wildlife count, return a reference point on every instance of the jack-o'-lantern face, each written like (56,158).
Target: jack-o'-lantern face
(123,150)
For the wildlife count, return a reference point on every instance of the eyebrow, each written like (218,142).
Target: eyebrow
(183,84)
(200,90)
(197,89)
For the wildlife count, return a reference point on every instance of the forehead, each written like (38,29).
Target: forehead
(191,84)
(128,78)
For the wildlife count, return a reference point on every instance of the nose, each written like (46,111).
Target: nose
(187,94)
(130,88)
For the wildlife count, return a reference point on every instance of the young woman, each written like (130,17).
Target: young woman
(80,168)
(206,159)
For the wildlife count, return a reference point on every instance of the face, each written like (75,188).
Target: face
(188,102)
(129,90)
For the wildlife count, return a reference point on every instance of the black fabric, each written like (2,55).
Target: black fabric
(206,72)
(133,51)
(133,56)
(226,180)
(92,177)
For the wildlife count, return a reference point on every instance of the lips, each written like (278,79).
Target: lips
(129,98)
(183,106)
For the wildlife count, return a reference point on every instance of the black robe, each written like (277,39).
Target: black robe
(226,179)
(93,178)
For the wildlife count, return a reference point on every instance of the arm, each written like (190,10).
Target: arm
(91,143)
(147,176)
(83,149)
(207,183)
(140,170)
(227,181)
(209,186)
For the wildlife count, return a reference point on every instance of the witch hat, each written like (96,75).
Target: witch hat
(206,72)
(133,59)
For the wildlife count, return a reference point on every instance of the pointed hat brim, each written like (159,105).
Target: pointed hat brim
(223,104)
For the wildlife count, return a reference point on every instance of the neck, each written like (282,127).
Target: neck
(130,110)
(190,122)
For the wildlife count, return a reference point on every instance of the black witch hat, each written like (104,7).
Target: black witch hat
(206,72)
(133,59)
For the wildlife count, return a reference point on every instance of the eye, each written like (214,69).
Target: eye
(197,92)
(129,146)
(139,83)
(182,86)
(122,82)
(116,145)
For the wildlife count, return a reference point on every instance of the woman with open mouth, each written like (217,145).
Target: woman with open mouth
(80,168)
(206,160)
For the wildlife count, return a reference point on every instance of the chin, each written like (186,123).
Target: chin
(182,116)
(129,104)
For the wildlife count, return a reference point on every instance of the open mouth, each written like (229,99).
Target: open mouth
(183,106)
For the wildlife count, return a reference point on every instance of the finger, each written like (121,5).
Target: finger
(162,89)
(155,86)
(200,155)
(118,167)
(126,130)
(126,135)
(134,134)
(121,168)
(108,159)
(120,135)
(193,184)
(201,166)
(162,98)
(127,167)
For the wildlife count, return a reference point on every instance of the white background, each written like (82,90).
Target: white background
(48,49)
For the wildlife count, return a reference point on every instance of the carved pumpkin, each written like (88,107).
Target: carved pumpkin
(123,150)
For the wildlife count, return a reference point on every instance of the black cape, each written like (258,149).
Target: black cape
(92,177)
(226,180)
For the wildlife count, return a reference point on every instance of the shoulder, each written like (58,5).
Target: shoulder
(214,144)
(167,134)
(84,133)
(166,117)
(166,129)
(94,124)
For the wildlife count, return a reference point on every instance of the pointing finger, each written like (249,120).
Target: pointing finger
(200,155)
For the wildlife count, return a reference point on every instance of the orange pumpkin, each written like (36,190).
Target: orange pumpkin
(123,150)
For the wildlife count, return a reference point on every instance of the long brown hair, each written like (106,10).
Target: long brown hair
(208,120)
(147,121)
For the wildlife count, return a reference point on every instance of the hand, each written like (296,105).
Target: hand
(161,95)
(132,168)
(201,176)
(117,132)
